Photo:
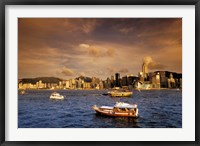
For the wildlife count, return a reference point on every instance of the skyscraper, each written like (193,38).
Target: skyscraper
(112,81)
(117,76)
(145,71)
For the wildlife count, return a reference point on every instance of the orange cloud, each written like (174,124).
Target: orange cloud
(88,44)
(67,72)
(123,70)
(97,51)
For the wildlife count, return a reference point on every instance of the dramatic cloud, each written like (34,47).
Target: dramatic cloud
(97,46)
(125,30)
(153,64)
(89,25)
(111,70)
(123,70)
(82,74)
(147,60)
(110,52)
(84,45)
(96,51)
(67,72)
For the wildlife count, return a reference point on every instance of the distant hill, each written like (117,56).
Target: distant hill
(43,79)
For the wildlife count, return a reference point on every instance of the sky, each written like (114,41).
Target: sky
(100,47)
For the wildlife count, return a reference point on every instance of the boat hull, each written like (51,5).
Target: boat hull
(120,94)
(111,113)
(60,97)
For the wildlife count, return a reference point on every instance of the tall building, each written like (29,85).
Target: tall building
(171,81)
(112,82)
(124,81)
(72,83)
(145,71)
(108,82)
(144,68)
(117,77)
(112,78)
(86,85)
(155,79)
(131,79)
(163,79)
(141,76)
(67,85)
(79,83)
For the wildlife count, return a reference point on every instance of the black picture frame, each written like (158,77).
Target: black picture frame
(4,3)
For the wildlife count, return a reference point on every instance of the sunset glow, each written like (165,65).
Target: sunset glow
(70,47)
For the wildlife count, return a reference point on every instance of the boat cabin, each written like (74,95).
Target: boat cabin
(125,108)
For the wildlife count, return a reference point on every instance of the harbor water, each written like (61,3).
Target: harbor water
(157,109)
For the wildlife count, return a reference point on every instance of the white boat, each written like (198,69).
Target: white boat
(56,95)
(120,109)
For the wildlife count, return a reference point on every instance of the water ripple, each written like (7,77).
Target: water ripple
(157,109)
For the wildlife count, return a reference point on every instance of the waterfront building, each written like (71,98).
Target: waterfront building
(95,82)
(142,85)
(145,71)
(108,83)
(163,79)
(112,81)
(48,85)
(124,81)
(112,78)
(79,83)
(60,86)
(131,79)
(39,84)
(53,85)
(141,76)
(67,84)
(156,80)
(97,87)
(86,85)
(180,82)
(171,81)
(72,84)
(101,85)
(20,85)
(167,79)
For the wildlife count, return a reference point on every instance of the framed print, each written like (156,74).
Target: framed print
(103,73)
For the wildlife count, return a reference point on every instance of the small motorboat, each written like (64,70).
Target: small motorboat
(56,95)
(22,92)
(120,109)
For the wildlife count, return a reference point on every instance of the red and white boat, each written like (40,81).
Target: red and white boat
(120,109)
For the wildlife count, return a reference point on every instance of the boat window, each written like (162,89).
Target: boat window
(123,109)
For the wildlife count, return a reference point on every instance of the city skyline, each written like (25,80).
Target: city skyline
(70,47)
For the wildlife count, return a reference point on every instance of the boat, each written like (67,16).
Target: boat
(22,92)
(118,93)
(56,95)
(120,109)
